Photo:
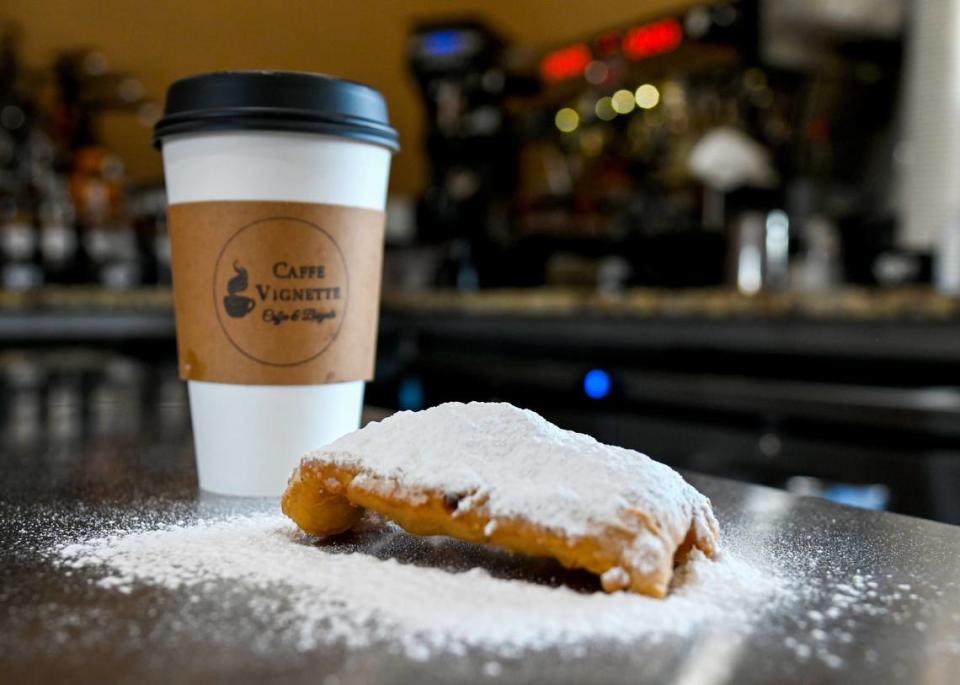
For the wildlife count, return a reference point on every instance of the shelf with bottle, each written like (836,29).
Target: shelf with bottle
(69,213)
(54,241)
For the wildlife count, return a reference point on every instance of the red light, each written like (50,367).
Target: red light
(607,44)
(565,63)
(652,39)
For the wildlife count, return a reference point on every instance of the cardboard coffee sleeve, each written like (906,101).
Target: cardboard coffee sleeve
(276,293)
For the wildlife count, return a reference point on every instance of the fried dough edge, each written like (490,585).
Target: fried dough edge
(326,499)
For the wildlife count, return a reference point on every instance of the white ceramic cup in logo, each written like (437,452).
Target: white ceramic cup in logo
(249,438)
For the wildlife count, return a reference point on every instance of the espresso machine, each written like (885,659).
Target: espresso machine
(461,71)
(743,143)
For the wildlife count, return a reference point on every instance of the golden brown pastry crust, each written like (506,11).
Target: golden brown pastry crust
(325,499)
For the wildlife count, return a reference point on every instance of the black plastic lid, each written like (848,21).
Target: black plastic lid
(276,101)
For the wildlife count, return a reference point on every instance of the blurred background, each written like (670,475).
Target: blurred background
(724,233)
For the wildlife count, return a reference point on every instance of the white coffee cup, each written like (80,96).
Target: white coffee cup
(249,437)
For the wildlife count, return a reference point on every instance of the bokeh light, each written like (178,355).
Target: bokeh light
(623,102)
(596,72)
(647,96)
(596,384)
(604,109)
(567,120)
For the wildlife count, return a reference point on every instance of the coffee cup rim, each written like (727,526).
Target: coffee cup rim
(283,101)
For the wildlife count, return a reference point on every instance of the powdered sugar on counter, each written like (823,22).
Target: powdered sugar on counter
(354,599)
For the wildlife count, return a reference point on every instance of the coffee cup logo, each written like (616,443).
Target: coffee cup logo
(287,290)
(238,306)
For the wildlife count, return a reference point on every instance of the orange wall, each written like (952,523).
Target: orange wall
(161,40)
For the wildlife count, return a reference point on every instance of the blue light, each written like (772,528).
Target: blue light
(596,384)
(443,43)
(410,394)
(875,497)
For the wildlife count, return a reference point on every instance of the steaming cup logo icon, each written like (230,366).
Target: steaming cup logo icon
(238,306)
(287,289)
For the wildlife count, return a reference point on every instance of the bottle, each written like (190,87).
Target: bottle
(121,268)
(161,247)
(59,243)
(148,208)
(107,236)
(20,268)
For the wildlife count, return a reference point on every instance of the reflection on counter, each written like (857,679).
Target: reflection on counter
(856,397)
(87,412)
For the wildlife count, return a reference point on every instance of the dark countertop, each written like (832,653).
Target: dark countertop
(128,461)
